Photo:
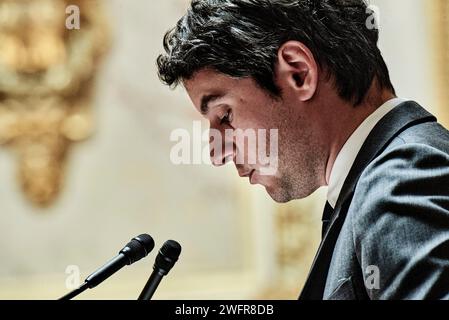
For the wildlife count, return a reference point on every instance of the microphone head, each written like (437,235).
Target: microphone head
(167,256)
(138,248)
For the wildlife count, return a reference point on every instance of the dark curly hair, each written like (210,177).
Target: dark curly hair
(241,38)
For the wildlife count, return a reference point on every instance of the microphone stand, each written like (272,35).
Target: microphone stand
(165,260)
(151,286)
(75,292)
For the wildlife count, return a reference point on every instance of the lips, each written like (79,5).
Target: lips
(251,176)
(248,174)
(244,175)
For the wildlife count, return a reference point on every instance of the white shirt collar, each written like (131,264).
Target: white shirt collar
(348,154)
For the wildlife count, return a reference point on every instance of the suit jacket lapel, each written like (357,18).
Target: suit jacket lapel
(404,116)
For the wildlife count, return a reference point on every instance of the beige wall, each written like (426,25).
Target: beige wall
(120,183)
(406,43)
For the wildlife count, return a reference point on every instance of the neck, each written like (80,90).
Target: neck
(344,122)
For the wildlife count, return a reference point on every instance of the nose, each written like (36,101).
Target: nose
(221,151)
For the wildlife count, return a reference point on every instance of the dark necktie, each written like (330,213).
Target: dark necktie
(327,216)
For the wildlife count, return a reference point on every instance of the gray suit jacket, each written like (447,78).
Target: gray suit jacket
(389,234)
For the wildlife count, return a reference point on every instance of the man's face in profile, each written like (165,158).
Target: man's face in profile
(239,104)
(283,65)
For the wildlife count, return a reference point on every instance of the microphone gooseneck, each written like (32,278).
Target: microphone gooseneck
(165,260)
(138,248)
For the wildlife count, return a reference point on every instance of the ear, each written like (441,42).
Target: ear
(297,70)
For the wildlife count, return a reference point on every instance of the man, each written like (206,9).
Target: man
(312,70)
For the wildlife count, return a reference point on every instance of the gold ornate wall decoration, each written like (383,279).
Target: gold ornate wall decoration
(46,78)
(297,226)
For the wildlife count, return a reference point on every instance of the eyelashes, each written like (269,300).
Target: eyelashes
(227,118)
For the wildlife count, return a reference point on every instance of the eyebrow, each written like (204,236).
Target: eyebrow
(205,100)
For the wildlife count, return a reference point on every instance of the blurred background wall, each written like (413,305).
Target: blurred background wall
(85,146)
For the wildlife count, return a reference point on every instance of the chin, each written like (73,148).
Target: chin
(278,195)
(284,194)
(276,191)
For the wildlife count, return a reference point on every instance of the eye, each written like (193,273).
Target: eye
(227,118)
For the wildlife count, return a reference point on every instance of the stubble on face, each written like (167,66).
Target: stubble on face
(300,153)
(301,164)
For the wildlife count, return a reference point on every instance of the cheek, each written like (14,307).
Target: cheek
(261,114)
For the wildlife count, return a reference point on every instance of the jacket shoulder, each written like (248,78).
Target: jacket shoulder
(400,217)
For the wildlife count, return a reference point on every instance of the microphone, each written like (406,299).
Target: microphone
(138,248)
(165,260)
